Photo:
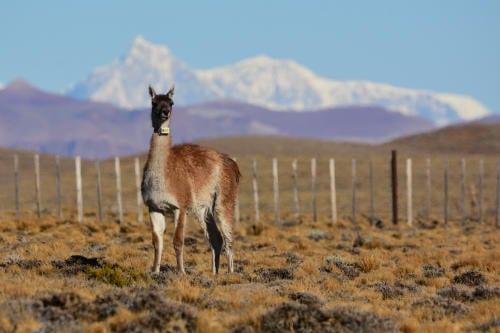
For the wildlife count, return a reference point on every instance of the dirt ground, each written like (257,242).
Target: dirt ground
(57,275)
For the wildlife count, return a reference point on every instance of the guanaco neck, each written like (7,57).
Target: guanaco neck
(159,147)
(159,150)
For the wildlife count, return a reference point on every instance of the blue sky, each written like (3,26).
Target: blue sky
(446,46)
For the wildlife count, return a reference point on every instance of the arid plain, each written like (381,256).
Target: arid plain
(300,275)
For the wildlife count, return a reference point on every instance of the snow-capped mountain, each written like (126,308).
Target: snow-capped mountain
(276,84)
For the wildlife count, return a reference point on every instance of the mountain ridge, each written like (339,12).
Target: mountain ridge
(262,80)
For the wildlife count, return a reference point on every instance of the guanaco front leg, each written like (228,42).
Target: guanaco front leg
(158,228)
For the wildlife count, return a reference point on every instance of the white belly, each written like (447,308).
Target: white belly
(155,193)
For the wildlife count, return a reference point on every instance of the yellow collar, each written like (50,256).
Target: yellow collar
(164,131)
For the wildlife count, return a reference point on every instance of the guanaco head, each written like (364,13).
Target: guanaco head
(161,108)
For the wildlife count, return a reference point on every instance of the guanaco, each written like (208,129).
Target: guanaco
(187,179)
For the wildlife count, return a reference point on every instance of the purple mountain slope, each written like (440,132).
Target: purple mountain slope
(36,120)
(493,118)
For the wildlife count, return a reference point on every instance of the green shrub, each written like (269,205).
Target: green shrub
(113,274)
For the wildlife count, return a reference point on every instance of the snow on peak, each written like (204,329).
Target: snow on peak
(467,107)
(142,50)
(260,61)
(277,84)
(124,82)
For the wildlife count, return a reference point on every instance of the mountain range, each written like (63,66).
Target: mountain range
(107,113)
(33,119)
(275,84)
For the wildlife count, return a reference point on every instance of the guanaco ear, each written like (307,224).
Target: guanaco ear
(170,93)
(152,92)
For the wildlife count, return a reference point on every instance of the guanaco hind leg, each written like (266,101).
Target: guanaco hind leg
(225,218)
(158,228)
(179,221)
(215,240)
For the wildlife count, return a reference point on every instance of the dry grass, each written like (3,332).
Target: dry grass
(58,275)
(403,283)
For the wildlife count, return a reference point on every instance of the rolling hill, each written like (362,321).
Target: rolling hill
(471,138)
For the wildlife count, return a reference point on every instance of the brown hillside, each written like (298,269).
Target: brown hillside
(464,139)
(275,145)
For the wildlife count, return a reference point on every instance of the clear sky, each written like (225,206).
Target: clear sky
(441,45)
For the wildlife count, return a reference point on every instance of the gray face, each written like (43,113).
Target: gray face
(161,107)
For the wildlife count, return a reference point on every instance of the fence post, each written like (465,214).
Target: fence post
(38,199)
(236,205)
(237,210)
(428,187)
(481,176)
(140,215)
(119,190)
(372,198)
(98,188)
(255,190)
(333,191)
(295,189)
(497,218)
(16,184)
(79,196)
(353,191)
(394,185)
(409,203)
(446,193)
(313,189)
(463,186)
(58,186)
(276,192)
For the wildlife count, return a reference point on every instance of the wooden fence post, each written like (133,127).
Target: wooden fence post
(255,191)
(497,217)
(353,191)
(394,185)
(98,188)
(481,176)
(463,186)
(446,193)
(237,217)
(119,190)
(428,187)
(276,192)
(236,205)
(313,189)
(16,185)
(38,197)
(79,196)
(140,214)
(372,195)
(58,186)
(333,191)
(295,189)
(409,203)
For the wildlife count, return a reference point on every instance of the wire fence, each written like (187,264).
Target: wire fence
(451,189)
